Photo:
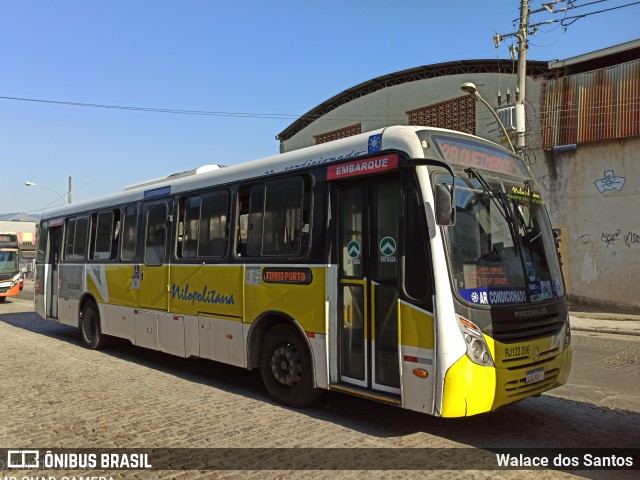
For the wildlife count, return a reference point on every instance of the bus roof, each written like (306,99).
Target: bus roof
(401,138)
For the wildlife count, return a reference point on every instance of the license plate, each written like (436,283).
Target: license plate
(534,376)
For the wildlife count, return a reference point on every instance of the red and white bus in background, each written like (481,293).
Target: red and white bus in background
(10,278)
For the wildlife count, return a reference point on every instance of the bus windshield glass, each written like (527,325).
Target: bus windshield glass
(501,248)
(8,262)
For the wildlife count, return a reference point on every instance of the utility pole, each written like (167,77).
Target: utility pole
(69,192)
(521,35)
(521,119)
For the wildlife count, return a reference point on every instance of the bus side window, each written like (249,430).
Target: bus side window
(417,271)
(156,235)
(102,228)
(70,234)
(188,225)
(129,233)
(81,239)
(243,228)
(274,218)
(76,238)
(256,221)
(283,217)
(116,234)
(42,242)
(242,214)
(250,221)
(214,231)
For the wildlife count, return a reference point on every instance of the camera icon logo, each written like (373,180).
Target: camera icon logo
(23,459)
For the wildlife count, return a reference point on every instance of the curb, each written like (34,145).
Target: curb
(605,330)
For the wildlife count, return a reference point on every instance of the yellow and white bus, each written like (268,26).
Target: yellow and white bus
(414,266)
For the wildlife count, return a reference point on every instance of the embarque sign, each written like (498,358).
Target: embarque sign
(363,167)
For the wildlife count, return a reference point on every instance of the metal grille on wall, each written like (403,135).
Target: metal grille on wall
(338,134)
(598,105)
(456,114)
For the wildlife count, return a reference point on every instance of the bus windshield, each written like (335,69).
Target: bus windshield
(501,249)
(8,262)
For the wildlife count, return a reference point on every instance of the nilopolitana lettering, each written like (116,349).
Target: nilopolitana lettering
(203,296)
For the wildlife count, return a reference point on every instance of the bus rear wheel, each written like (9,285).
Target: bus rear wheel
(90,330)
(286,368)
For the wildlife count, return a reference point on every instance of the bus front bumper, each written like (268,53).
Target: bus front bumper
(470,389)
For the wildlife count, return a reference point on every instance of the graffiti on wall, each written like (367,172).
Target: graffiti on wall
(631,238)
(611,239)
(595,248)
(609,182)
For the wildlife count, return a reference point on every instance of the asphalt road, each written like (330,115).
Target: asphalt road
(57,394)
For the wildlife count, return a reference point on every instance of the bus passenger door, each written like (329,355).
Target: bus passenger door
(368,239)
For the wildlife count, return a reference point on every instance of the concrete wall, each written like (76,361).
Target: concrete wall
(595,191)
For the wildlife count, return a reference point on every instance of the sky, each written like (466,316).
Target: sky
(270,61)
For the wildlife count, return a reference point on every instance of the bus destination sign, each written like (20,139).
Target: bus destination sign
(362,167)
(477,155)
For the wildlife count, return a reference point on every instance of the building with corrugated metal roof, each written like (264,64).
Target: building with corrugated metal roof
(582,137)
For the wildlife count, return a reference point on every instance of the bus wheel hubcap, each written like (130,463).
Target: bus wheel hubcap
(285,365)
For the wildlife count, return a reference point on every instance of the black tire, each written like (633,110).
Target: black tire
(90,329)
(2,299)
(286,369)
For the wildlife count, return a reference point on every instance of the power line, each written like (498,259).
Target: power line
(156,110)
(565,21)
(276,116)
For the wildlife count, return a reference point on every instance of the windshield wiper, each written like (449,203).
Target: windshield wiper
(498,198)
(526,226)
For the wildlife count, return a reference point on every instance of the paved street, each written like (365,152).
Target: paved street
(57,394)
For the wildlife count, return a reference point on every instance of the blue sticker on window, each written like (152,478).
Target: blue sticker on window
(493,296)
(375,143)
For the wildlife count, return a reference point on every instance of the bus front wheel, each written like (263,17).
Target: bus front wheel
(286,368)
(90,330)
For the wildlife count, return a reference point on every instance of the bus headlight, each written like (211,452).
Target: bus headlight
(477,349)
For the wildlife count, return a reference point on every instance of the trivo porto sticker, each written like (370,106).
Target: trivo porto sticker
(299,276)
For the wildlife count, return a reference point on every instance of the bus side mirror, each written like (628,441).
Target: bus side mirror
(445,205)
